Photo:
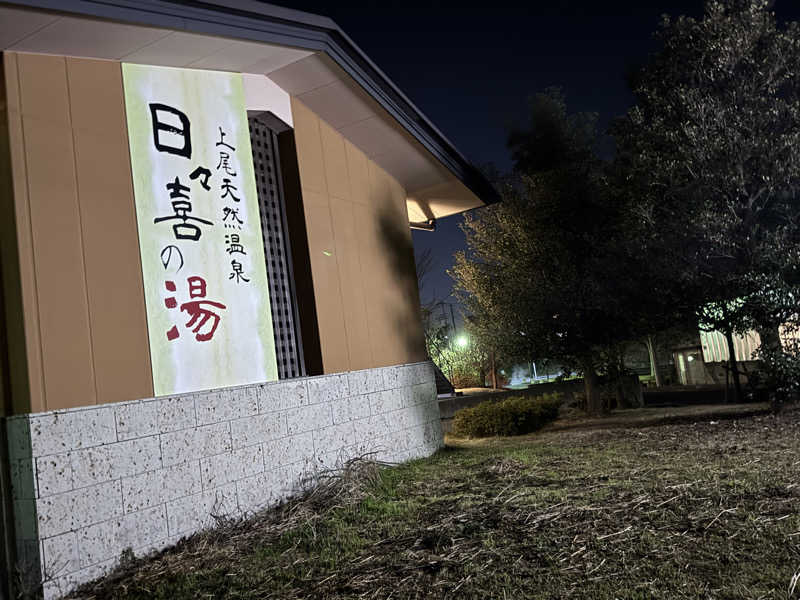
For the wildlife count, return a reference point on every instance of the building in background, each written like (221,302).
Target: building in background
(707,360)
(208,284)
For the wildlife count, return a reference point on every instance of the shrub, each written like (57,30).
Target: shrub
(516,415)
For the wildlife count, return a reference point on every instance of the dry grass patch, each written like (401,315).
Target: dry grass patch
(707,508)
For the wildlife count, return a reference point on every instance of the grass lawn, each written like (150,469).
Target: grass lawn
(701,502)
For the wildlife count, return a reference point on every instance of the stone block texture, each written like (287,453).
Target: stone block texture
(91,483)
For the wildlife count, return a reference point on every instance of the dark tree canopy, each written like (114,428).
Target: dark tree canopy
(550,271)
(712,149)
(714,141)
(695,222)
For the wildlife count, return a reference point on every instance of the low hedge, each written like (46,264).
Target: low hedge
(516,415)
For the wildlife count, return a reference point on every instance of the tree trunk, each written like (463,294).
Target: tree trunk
(651,351)
(616,375)
(771,343)
(494,372)
(727,385)
(619,393)
(594,401)
(770,339)
(629,391)
(737,384)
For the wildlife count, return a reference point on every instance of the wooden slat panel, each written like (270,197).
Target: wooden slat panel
(385,317)
(409,334)
(375,273)
(55,223)
(369,260)
(309,148)
(352,284)
(118,321)
(400,302)
(336,176)
(354,205)
(358,171)
(27,378)
(324,266)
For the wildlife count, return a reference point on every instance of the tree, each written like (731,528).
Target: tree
(548,271)
(465,362)
(773,310)
(712,149)
(435,331)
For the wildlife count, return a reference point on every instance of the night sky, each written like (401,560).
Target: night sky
(470,68)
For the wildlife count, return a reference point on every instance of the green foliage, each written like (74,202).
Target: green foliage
(464,367)
(773,311)
(700,203)
(547,274)
(712,152)
(435,330)
(532,278)
(516,415)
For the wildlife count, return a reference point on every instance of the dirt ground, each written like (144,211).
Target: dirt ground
(693,502)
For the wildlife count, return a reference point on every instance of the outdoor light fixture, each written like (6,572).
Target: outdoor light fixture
(429,225)
(462,341)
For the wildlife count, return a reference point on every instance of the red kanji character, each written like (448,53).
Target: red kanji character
(197,289)
(197,309)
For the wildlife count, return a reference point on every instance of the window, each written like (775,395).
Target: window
(264,131)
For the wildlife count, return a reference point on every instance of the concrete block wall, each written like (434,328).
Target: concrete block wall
(91,483)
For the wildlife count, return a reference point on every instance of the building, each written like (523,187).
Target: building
(208,286)
(707,361)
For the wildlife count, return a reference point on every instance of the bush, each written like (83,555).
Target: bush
(516,415)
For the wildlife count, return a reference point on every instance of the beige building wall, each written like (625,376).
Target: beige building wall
(74,300)
(85,331)
(362,259)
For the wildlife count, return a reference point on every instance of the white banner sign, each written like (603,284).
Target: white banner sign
(205,278)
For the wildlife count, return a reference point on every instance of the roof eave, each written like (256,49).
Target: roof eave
(266,23)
